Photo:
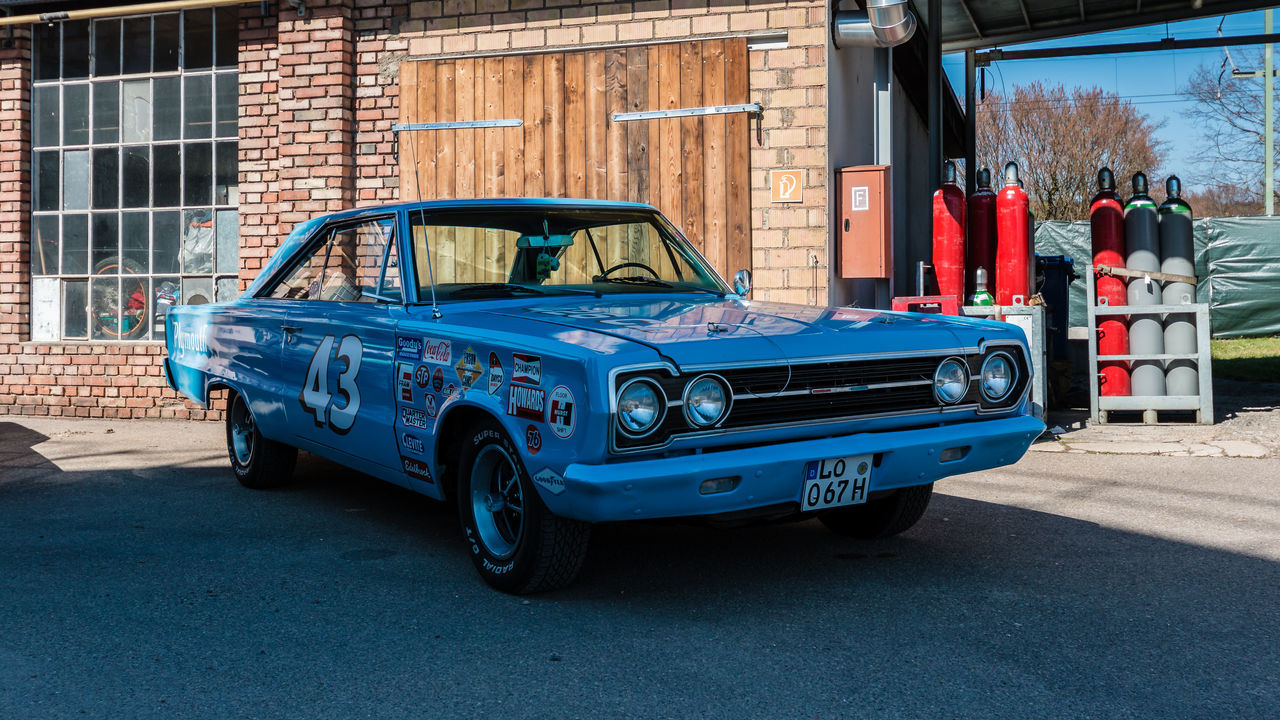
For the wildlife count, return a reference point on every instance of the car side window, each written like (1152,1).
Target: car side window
(347,267)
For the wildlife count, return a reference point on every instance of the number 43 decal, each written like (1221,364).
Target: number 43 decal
(337,410)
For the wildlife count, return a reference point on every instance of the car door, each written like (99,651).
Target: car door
(339,344)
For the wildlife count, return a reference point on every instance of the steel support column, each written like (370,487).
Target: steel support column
(935,94)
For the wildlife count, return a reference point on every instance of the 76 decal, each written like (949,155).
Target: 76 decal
(337,409)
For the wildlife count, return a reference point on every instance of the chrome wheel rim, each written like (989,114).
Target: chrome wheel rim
(497,501)
(243,432)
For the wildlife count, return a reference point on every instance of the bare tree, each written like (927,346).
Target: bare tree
(1222,200)
(1060,138)
(1229,109)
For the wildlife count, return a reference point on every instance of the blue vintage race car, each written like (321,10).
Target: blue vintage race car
(548,364)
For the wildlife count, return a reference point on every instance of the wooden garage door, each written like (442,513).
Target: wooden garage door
(694,169)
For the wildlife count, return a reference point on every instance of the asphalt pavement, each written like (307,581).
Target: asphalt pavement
(138,580)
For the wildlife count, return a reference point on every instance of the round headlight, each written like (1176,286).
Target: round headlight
(640,407)
(950,381)
(997,377)
(706,401)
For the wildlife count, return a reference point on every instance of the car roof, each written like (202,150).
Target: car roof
(490,204)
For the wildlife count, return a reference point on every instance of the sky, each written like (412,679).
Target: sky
(1151,81)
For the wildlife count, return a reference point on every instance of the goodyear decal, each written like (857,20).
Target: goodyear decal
(526,402)
(549,479)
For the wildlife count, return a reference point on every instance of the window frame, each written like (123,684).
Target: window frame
(320,236)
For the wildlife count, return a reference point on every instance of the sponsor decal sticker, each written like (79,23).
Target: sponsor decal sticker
(413,444)
(405,382)
(564,412)
(526,402)
(422,376)
(549,479)
(436,351)
(526,369)
(415,418)
(450,390)
(408,347)
(532,440)
(416,469)
(431,405)
(437,380)
(496,376)
(468,368)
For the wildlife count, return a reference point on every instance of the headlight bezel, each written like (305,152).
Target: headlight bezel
(686,406)
(1013,376)
(659,417)
(964,391)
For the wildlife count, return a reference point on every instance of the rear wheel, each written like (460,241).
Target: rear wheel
(882,517)
(257,462)
(517,544)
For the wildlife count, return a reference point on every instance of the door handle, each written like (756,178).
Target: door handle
(291,329)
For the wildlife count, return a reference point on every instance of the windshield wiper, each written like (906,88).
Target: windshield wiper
(655,282)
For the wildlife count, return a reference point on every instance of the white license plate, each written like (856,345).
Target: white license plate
(836,481)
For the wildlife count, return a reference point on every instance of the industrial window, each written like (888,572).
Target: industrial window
(134,172)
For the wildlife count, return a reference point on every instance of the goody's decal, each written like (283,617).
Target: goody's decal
(404,381)
(564,413)
(416,469)
(526,369)
(413,444)
(436,351)
(409,347)
(532,440)
(431,405)
(415,418)
(468,368)
(422,376)
(549,479)
(496,376)
(526,402)
(437,380)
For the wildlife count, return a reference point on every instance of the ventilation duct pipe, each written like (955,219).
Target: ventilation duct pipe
(885,23)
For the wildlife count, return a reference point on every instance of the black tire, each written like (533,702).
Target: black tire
(517,544)
(882,517)
(257,462)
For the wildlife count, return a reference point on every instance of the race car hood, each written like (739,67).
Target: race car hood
(711,330)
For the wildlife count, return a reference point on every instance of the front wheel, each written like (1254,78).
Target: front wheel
(516,543)
(257,462)
(882,517)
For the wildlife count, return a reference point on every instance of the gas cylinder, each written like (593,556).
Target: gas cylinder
(1106,222)
(1177,252)
(1111,291)
(980,226)
(1113,380)
(948,235)
(1146,333)
(981,297)
(1113,336)
(1141,234)
(1032,261)
(1012,244)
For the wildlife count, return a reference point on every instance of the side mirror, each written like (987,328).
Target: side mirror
(742,282)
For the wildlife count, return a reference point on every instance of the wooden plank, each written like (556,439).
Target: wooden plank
(446,140)
(713,155)
(535,111)
(408,165)
(637,132)
(672,182)
(426,142)
(655,132)
(464,84)
(596,124)
(513,138)
(493,137)
(691,143)
(737,160)
(553,66)
(575,118)
(615,83)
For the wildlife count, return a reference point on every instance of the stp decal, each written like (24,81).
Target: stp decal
(526,369)
(549,479)
(496,375)
(532,440)
(413,444)
(526,402)
(404,381)
(408,347)
(564,412)
(437,380)
(436,351)
(422,376)
(416,469)
(468,368)
(415,418)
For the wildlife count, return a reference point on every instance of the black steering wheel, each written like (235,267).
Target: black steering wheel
(620,266)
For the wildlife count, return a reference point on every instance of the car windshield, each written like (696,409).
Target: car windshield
(527,252)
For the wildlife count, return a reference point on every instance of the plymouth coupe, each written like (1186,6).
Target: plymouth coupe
(549,364)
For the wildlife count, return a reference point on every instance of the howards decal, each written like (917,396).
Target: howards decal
(532,440)
(413,444)
(431,405)
(526,369)
(437,380)
(409,347)
(526,402)
(404,381)
(415,418)
(336,409)
(468,368)
(422,376)
(563,414)
(416,469)
(436,351)
(496,376)
(549,479)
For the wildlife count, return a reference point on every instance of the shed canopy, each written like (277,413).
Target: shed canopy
(988,23)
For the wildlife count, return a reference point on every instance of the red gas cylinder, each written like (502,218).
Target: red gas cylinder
(1113,379)
(980,224)
(948,235)
(1106,223)
(1012,244)
(1113,337)
(1111,291)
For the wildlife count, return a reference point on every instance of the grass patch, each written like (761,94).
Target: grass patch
(1247,359)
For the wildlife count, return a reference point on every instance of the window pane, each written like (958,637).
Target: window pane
(197,92)
(106,112)
(166,238)
(228,102)
(228,289)
(45,181)
(106,47)
(166,172)
(106,243)
(137,176)
(167,42)
(197,291)
(228,29)
(164,295)
(226,181)
(228,241)
(137,45)
(44,62)
(137,111)
(106,178)
(75,49)
(168,108)
(391,279)
(44,115)
(75,115)
(104,308)
(75,244)
(197,173)
(44,248)
(135,240)
(197,241)
(75,180)
(75,304)
(197,48)
(133,306)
